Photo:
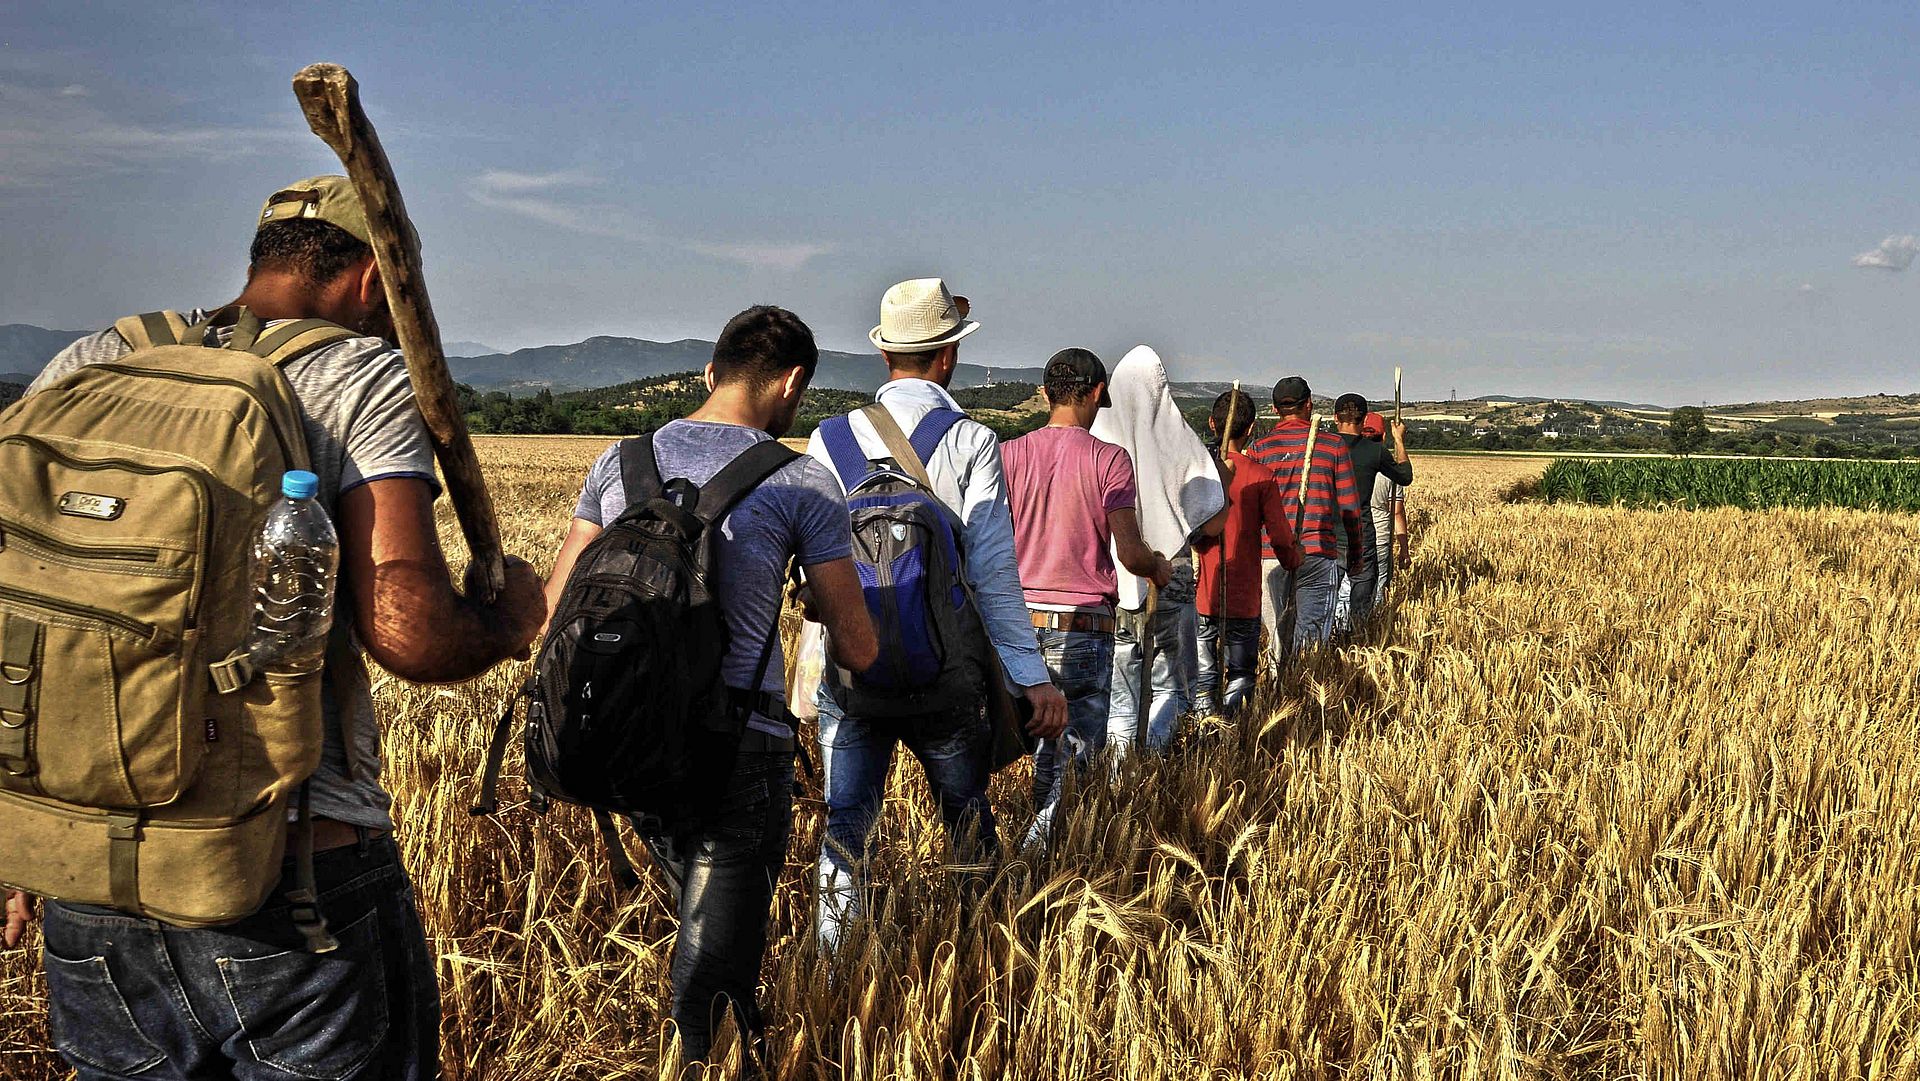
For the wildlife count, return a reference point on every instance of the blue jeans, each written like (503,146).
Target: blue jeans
(721,875)
(1081,664)
(1243,657)
(1316,589)
(954,747)
(1170,686)
(1365,589)
(130,998)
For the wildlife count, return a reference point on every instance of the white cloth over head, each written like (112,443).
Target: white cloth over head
(1179,487)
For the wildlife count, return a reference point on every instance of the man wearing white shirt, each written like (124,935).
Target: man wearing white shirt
(921,324)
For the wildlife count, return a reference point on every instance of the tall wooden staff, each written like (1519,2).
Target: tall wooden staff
(1220,609)
(331,99)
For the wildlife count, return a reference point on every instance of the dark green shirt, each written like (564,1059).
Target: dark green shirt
(1373,459)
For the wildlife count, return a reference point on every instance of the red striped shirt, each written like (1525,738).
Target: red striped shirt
(1333,496)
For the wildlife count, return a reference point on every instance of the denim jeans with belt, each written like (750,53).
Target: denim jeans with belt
(721,874)
(1243,659)
(1081,664)
(954,746)
(131,998)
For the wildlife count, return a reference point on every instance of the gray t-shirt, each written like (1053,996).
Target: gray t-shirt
(361,425)
(798,512)
(1385,494)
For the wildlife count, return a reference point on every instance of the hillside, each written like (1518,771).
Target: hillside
(631,408)
(611,361)
(555,388)
(24,350)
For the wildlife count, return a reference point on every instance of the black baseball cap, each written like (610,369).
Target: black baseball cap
(1288,393)
(1079,367)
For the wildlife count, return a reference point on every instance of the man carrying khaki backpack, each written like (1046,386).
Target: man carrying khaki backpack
(186,958)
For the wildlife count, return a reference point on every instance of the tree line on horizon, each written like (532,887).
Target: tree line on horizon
(644,405)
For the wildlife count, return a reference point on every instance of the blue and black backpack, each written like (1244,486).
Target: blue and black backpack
(907,546)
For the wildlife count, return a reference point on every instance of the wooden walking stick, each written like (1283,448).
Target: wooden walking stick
(1148,647)
(331,100)
(1220,609)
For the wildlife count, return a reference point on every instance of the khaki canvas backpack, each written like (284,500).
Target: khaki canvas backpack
(143,765)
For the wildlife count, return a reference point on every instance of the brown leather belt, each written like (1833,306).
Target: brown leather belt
(330,834)
(1085,622)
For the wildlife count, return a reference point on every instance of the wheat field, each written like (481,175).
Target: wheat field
(1617,794)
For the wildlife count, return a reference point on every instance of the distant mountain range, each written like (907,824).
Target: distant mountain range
(608,361)
(24,350)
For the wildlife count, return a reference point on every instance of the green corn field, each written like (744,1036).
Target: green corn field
(1750,484)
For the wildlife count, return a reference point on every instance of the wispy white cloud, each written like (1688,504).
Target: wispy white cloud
(506,180)
(551,199)
(786,257)
(51,134)
(572,201)
(1894,253)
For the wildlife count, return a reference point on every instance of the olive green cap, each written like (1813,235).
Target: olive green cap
(326,198)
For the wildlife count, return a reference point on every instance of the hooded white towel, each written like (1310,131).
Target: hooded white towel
(1179,487)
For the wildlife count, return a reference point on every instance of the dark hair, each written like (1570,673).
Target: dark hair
(1350,408)
(1240,404)
(1066,381)
(761,345)
(317,251)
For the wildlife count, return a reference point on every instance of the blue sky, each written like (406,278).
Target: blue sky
(1658,202)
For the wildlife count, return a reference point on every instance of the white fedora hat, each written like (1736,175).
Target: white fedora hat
(920,316)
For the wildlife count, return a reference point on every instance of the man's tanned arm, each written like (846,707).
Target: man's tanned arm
(407,613)
(842,608)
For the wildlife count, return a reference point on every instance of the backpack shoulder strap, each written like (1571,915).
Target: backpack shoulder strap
(932,429)
(843,447)
(151,329)
(246,327)
(639,471)
(899,447)
(741,476)
(290,341)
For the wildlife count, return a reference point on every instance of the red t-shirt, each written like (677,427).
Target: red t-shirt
(1062,483)
(1254,503)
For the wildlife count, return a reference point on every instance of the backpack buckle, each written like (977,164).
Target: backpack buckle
(307,918)
(232,674)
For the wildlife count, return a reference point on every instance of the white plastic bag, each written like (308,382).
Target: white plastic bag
(806,671)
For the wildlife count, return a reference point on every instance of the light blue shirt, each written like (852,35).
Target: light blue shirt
(967,476)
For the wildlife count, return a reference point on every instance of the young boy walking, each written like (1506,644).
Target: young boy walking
(1230,567)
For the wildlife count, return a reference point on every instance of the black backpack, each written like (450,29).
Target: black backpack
(627,713)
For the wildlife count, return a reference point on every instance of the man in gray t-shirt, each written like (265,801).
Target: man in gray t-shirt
(396,600)
(797,512)
(721,868)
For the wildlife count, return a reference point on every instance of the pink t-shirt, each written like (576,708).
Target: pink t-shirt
(1062,483)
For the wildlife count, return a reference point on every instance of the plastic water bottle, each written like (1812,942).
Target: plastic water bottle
(295,559)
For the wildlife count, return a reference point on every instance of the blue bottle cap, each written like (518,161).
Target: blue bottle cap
(299,484)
